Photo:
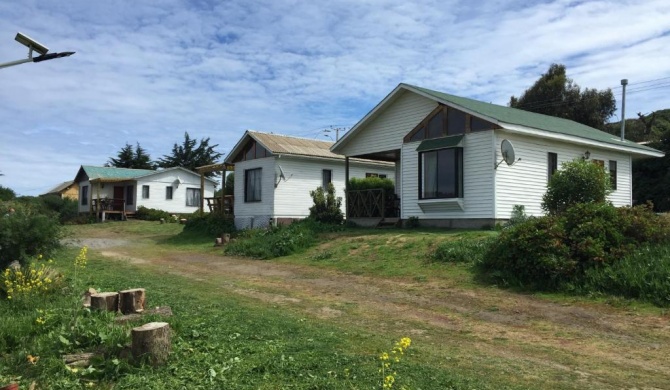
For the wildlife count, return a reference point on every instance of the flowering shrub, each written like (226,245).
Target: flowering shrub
(30,280)
(388,359)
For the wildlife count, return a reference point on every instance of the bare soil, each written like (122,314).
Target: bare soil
(575,345)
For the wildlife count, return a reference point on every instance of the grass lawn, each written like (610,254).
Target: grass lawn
(320,320)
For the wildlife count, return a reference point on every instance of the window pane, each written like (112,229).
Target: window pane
(84,195)
(145,192)
(613,171)
(130,191)
(430,175)
(552,164)
(455,122)
(168,193)
(419,135)
(250,151)
(327,178)
(252,185)
(477,124)
(435,125)
(193,197)
(446,174)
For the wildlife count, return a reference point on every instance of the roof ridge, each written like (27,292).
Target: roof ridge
(288,136)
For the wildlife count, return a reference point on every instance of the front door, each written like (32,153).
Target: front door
(117,203)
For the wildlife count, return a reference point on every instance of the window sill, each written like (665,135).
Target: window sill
(438,205)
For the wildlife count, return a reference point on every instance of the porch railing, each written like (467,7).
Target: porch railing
(107,204)
(215,205)
(373,203)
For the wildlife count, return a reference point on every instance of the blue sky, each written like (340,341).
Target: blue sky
(147,71)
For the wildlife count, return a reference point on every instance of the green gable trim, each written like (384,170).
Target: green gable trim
(440,143)
(514,116)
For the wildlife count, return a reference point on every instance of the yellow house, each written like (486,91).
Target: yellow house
(67,189)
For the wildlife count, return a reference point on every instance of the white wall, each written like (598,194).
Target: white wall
(157,184)
(387,131)
(292,199)
(254,214)
(525,182)
(478,196)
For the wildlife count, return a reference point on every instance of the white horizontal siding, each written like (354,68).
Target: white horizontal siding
(387,131)
(265,207)
(525,182)
(478,183)
(157,184)
(292,199)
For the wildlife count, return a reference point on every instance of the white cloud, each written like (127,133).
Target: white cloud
(148,71)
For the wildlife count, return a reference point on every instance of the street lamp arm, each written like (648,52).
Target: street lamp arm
(51,56)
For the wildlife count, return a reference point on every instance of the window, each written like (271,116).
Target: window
(477,124)
(193,197)
(441,174)
(445,121)
(552,164)
(145,192)
(326,178)
(252,185)
(252,150)
(613,174)
(84,196)
(130,192)
(455,122)
(379,175)
(168,193)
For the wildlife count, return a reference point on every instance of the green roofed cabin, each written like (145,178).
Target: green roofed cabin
(449,167)
(109,191)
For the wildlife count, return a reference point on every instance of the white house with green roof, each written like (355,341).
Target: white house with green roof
(449,167)
(122,190)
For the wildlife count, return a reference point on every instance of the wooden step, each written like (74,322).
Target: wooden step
(388,223)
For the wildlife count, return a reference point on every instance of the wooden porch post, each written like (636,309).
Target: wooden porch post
(346,187)
(223,186)
(202,192)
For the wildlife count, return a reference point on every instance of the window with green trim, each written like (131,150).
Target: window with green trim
(441,174)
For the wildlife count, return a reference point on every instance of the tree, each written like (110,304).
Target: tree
(129,158)
(557,95)
(190,156)
(578,181)
(651,176)
(7,193)
(230,186)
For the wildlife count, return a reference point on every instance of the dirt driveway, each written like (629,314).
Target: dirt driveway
(593,345)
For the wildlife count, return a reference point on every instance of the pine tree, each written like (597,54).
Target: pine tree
(190,156)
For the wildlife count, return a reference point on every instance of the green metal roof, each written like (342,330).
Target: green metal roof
(530,119)
(94,173)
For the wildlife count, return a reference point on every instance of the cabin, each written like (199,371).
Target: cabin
(108,191)
(65,190)
(274,175)
(463,163)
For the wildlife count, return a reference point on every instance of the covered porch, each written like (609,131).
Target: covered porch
(217,204)
(112,199)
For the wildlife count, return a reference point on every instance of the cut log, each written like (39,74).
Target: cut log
(86,297)
(164,311)
(131,301)
(106,301)
(225,238)
(78,359)
(151,342)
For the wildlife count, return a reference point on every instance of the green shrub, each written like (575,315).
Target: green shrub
(578,181)
(278,241)
(412,222)
(518,215)
(459,251)
(7,194)
(25,232)
(211,224)
(531,254)
(593,233)
(147,214)
(371,183)
(67,209)
(643,274)
(326,207)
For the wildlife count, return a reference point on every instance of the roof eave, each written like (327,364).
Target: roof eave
(649,152)
(236,149)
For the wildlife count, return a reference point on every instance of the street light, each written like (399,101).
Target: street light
(34,46)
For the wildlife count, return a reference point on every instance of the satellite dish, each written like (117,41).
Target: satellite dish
(508,153)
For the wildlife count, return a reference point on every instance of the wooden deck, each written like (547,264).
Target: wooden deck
(102,208)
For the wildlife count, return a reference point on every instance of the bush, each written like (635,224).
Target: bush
(371,183)
(578,181)
(147,214)
(282,240)
(643,274)
(25,233)
(459,251)
(326,208)
(211,224)
(518,215)
(67,209)
(531,254)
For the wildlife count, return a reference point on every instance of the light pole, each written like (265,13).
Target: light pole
(34,46)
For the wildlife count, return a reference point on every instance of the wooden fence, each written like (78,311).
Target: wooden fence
(374,203)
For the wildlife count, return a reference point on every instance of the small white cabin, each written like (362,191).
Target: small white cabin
(122,191)
(274,175)
(449,165)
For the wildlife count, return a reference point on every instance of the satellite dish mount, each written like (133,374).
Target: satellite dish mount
(508,154)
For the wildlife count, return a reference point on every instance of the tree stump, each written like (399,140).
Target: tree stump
(152,342)
(107,301)
(131,301)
